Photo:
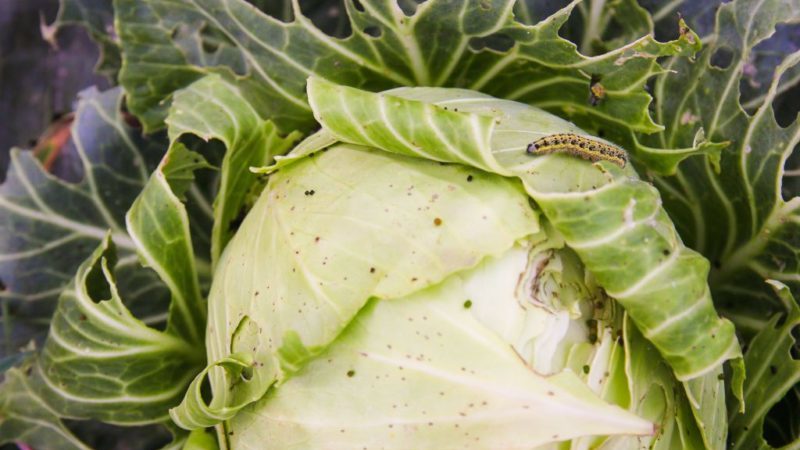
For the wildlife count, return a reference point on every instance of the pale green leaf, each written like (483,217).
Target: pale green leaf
(159,225)
(309,227)
(613,220)
(213,108)
(421,372)
(201,440)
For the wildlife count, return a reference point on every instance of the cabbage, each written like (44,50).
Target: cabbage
(411,278)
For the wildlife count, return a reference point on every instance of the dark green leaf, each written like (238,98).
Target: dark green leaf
(477,45)
(737,216)
(27,418)
(101,362)
(772,371)
(48,222)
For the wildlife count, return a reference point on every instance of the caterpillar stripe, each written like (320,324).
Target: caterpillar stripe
(578,146)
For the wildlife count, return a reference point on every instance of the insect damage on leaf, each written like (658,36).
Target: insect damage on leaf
(578,146)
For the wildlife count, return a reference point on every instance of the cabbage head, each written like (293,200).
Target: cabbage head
(411,278)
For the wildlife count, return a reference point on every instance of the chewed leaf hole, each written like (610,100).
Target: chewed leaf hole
(777,426)
(786,106)
(722,57)
(409,7)
(205,390)
(147,436)
(373,31)
(498,42)
(96,284)
(795,349)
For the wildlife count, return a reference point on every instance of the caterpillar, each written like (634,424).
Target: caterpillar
(578,146)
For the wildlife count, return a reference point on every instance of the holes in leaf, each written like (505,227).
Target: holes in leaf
(791,175)
(524,12)
(205,390)
(373,31)
(277,10)
(498,42)
(204,45)
(96,284)
(330,16)
(357,5)
(781,320)
(795,350)
(409,7)
(780,423)
(699,15)
(722,57)
(786,106)
(247,374)
(242,337)
(212,39)
(96,434)
(759,69)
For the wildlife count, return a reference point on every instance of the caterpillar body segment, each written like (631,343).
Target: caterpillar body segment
(579,146)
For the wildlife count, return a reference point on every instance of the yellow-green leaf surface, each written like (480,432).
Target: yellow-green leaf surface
(427,375)
(613,220)
(333,231)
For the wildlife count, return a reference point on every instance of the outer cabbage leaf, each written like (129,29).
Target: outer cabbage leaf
(607,215)
(46,221)
(214,108)
(33,422)
(430,376)
(72,375)
(474,44)
(101,362)
(772,371)
(737,217)
(597,26)
(97,16)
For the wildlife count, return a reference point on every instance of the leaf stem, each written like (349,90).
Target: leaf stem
(592,28)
